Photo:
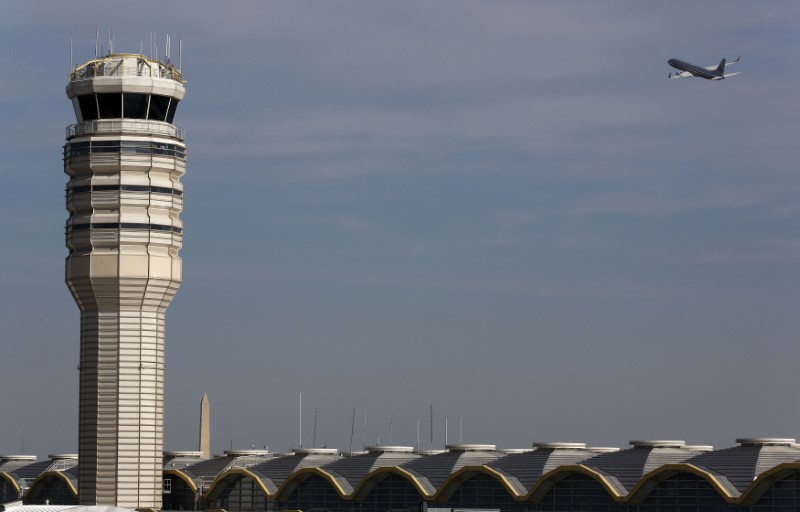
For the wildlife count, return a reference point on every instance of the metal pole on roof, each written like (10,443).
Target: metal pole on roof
(431,426)
(391,420)
(445,432)
(352,430)
(314,439)
(301,421)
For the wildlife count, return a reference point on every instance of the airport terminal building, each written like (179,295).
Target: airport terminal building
(759,474)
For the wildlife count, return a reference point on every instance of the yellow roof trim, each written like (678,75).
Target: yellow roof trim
(765,476)
(227,476)
(46,476)
(638,492)
(8,477)
(397,471)
(183,476)
(486,470)
(553,475)
(316,471)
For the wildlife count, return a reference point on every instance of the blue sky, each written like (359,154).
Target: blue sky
(503,209)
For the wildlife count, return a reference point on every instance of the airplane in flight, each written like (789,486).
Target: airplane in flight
(709,73)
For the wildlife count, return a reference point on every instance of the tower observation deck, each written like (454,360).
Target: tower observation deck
(125,159)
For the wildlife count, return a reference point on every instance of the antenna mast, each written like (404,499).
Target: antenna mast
(431,426)
(391,420)
(314,439)
(445,432)
(352,430)
(365,429)
(301,420)
(96,42)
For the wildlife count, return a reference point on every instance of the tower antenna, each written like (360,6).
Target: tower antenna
(301,421)
(445,432)
(431,426)
(180,54)
(365,429)
(391,420)
(110,43)
(314,439)
(96,42)
(352,425)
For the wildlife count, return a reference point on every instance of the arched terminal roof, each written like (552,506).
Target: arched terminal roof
(202,474)
(431,472)
(21,472)
(523,470)
(272,474)
(349,472)
(69,476)
(736,468)
(619,472)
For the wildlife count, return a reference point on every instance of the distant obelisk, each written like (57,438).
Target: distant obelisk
(205,428)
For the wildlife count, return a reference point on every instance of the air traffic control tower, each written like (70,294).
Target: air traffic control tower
(124,158)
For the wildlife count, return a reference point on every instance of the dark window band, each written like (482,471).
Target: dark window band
(131,147)
(129,105)
(123,225)
(132,188)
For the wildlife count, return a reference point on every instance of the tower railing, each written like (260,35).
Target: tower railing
(125,126)
(114,65)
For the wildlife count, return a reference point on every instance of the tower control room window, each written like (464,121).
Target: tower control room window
(158,107)
(88,106)
(129,105)
(134,106)
(110,105)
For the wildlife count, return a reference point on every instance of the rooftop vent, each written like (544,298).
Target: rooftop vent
(245,453)
(390,449)
(603,449)
(560,446)
(183,453)
(63,456)
(471,447)
(658,443)
(766,441)
(429,452)
(315,451)
(31,458)
(699,447)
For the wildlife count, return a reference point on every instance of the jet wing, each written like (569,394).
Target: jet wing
(682,74)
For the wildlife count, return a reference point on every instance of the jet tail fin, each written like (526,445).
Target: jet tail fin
(721,68)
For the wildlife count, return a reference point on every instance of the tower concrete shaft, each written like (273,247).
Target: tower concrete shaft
(124,158)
